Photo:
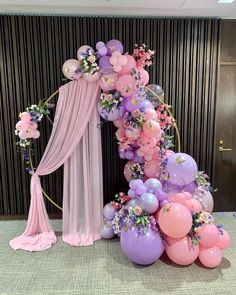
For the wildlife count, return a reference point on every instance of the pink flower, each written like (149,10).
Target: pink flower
(91,59)
(138,210)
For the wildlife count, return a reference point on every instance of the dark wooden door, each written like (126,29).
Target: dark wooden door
(225,140)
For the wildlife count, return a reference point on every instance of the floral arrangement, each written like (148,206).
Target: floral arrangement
(136,171)
(202,181)
(136,118)
(110,99)
(143,55)
(88,62)
(164,119)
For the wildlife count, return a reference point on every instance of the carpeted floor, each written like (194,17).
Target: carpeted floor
(103,269)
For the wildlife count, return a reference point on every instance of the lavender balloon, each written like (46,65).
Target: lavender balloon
(114,45)
(141,189)
(134,183)
(132,194)
(132,203)
(99,44)
(109,212)
(112,115)
(106,231)
(161,195)
(138,159)
(182,169)
(132,103)
(152,185)
(102,51)
(141,248)
(105,66)
(122,155)
(129,155)
(149,203)
(146,104)
(191,187)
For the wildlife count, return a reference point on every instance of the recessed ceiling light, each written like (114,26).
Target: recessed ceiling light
(225,1)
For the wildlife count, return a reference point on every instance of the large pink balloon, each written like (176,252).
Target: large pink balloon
(175,220)
(126,85)
(193,205)
(25,117)
(210,257)
(69,67)
(131,64)
(208,234)
(150,114)
(108,82)
(152,128)
(224,241)
(181,251)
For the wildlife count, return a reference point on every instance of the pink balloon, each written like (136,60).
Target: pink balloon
(144,76)
(131,64)
(126,85)
(132,132)
(91,78)
(116,53)
(208,234)
(127,173)
(151,128)
(22,125)
(108,82)
(122,60)
(175,220)
(23,135)
(69,67)
(150,114)
(25,117)
(179,198)
(210,257)
(181,251)
(36,134)
(193,205)
(151,169)
(117,68)
(117,123)
(32,125)
(113,60)
(224,241)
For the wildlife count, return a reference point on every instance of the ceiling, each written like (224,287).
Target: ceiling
(198,8)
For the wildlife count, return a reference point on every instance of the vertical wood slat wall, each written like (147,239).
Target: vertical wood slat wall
(32,51)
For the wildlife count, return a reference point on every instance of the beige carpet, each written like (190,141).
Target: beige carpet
(103,269)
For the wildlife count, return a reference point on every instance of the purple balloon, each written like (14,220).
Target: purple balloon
(114,45)
(122,155)
(100,44)
(138,159)
(105,66)
(161,195)
(132,194)
(163,203)
(106,231)
(102,51)
(112,115)
(134,183)
(132,103)
(169,187)
(132,203)
(182,169)
(141,248)
(146,104)
(149,203)
(109,212)
(129,155)
(191,187)
(152,184)
(141,189)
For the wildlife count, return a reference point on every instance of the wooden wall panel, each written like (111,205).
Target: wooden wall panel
(32,51)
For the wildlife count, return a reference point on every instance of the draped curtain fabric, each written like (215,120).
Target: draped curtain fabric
(70,140)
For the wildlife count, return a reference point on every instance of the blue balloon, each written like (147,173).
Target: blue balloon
(152,185)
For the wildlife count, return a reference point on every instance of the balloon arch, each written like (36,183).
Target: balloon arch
(169,203)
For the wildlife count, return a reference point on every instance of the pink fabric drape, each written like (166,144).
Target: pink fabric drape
(76,103)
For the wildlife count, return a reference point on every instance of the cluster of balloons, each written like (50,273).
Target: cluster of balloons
(26,127)
(175,202)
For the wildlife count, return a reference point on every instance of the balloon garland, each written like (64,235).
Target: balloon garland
(169,203)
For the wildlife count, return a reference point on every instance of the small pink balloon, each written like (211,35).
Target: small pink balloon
(22,125)
(108,82)
(175,220)
(152,169)
(23,135)
(179,198)
(91,78)
(181,251)
(116,53)
(122,60)
(117,68)
(131,64)
(36,134)
(117,123)
(150,114)
(25,117)
(210,257)
(208,234)
(113,60)
(126,85)
(193,205)
(144,76)
(32,125)
(224,241)
(151,128)
(69,67)
(132,132)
